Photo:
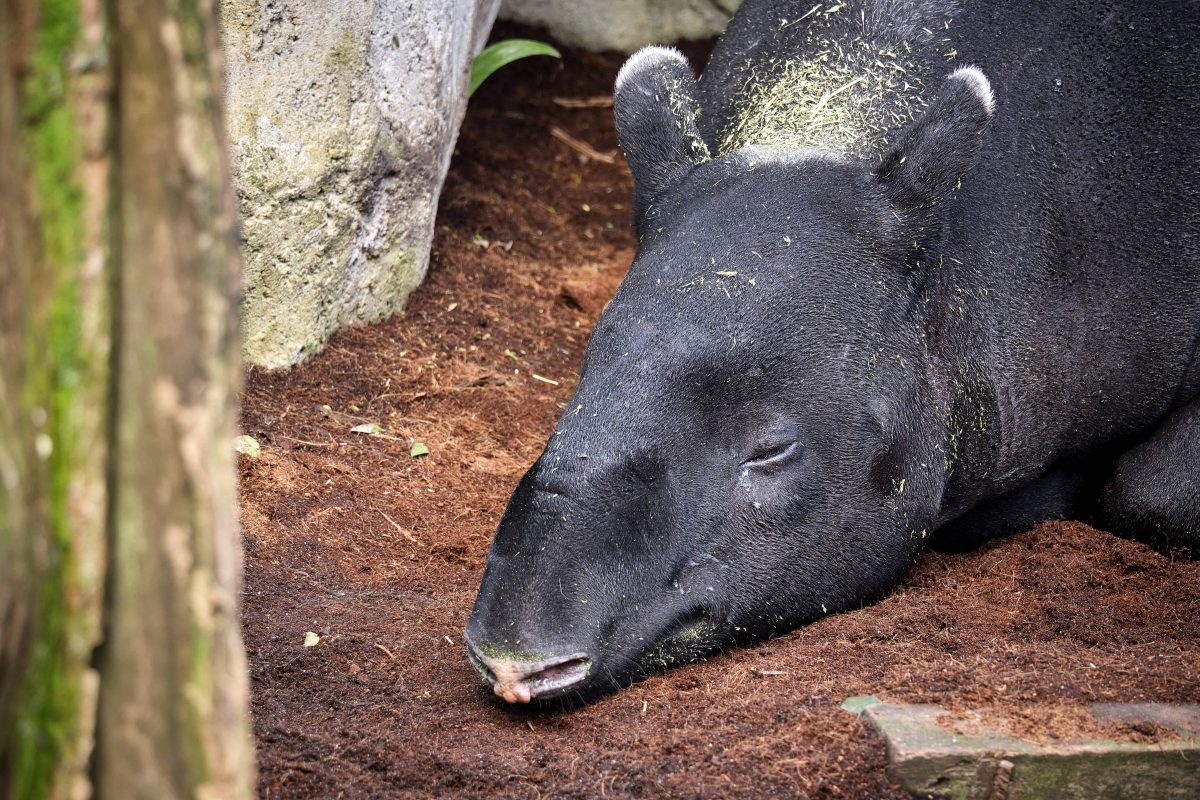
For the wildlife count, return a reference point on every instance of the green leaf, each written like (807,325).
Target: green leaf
(369,428)
(247,445)
(418,449)
(506,52)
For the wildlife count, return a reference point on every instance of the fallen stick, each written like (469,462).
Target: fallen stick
(403,532)
(600,101)
(581,147)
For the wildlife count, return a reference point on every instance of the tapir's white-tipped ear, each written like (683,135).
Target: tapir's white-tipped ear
(979,84)
(934,154)
(656,107)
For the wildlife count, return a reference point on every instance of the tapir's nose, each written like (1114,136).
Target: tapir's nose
(520,680)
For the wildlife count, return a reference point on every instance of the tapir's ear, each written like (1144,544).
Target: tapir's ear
(934,154)
(656,107)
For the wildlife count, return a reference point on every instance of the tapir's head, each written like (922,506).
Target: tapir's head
(753,443)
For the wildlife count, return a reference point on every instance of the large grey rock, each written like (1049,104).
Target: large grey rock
(342,115)
(622,24)
(933,761)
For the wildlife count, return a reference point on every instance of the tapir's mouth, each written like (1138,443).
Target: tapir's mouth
(579,676)
(558,679)
(522,681)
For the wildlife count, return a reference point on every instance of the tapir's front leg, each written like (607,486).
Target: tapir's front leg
(1154,492)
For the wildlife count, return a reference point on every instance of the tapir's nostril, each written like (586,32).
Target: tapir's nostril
(522,680)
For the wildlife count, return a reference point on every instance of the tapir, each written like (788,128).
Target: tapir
(909,273)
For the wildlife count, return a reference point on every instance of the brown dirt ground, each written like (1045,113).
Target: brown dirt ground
(380,553)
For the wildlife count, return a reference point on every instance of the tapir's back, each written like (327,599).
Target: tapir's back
(1074,245)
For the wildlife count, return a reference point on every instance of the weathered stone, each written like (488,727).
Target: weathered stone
(1183,718)
(342,116)
(622,24)
(929,760)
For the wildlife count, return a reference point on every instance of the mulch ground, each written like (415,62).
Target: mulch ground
(379,553)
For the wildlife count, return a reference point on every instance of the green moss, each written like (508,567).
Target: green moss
(242,14)
(47,713)
(343,53)
(401,272)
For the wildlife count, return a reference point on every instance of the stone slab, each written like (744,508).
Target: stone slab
(931,761)
(622,24)
(1183,718)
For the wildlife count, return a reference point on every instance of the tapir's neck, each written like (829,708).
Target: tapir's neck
(970,428)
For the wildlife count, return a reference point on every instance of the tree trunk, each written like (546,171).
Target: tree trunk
(121,668)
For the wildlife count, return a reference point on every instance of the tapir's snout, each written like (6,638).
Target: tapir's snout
(587,585)
(524,679)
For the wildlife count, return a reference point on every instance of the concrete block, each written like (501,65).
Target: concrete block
(932,761)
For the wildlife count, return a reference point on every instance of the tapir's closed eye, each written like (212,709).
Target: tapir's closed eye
(772,454)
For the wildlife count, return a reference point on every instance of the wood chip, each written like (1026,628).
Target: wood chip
(599,101)
(403,531)
(582,148)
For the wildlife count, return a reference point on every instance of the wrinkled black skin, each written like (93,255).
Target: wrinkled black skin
(952,363)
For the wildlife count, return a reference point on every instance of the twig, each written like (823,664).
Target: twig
(310,444)
(387,436)
(403,532)
(317,585)
(600,101)
(581,147)
(384,649)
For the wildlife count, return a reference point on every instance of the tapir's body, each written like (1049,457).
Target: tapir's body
(879,299)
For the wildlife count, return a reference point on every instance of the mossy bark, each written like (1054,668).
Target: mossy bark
(54,344)
(119,555)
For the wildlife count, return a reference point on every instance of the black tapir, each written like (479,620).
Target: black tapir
(909,272)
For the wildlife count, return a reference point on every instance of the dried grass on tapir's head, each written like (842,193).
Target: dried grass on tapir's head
(837,103)
(846,97)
